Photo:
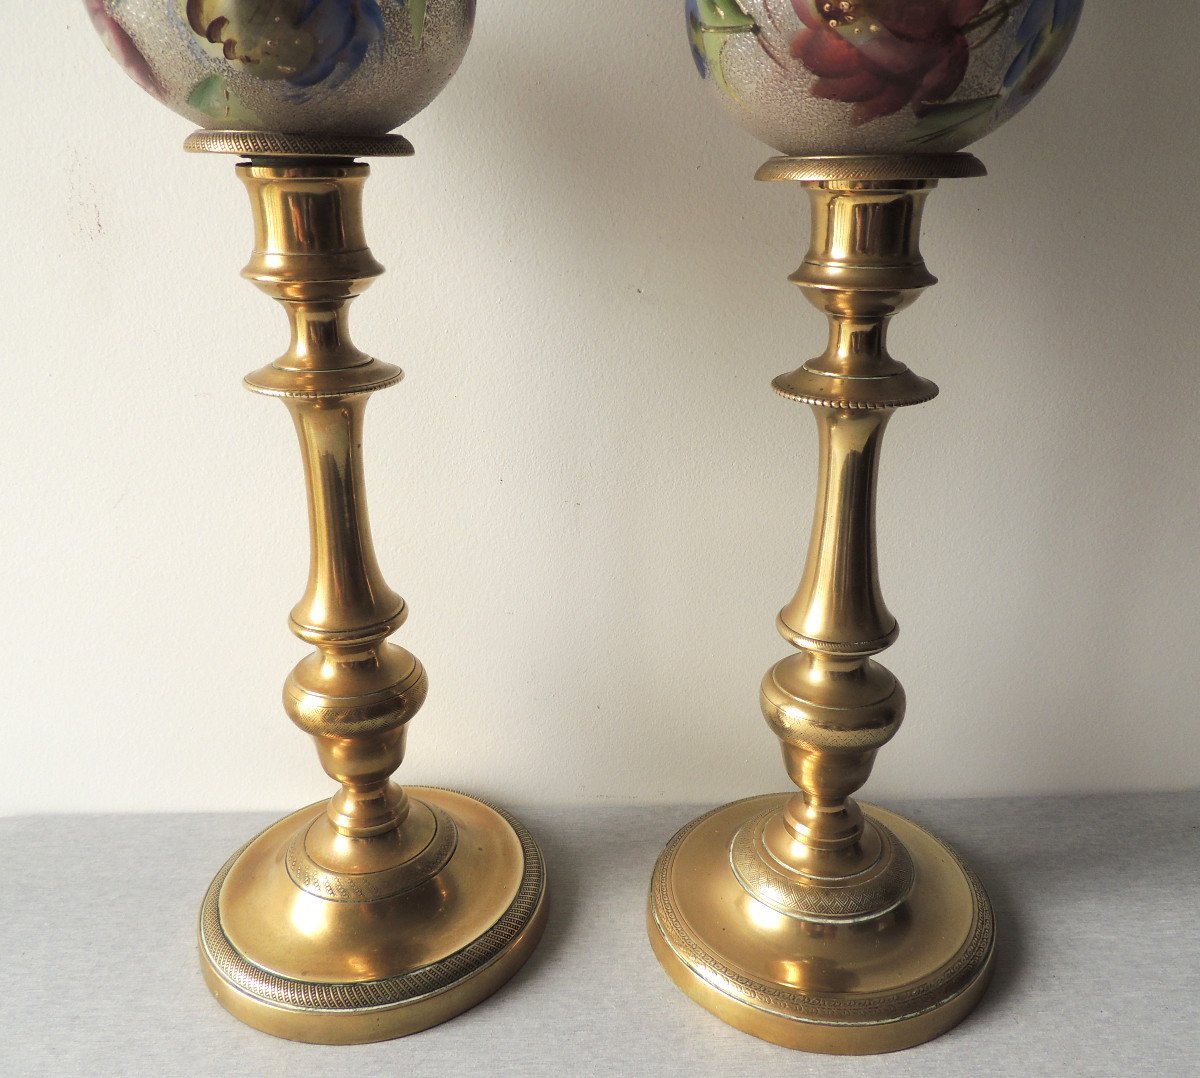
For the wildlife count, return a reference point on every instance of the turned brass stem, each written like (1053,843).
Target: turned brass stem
(832,705)
(356,694)
(382,911)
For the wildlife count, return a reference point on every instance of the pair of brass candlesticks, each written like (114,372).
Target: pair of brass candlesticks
(807,920)
(801,920)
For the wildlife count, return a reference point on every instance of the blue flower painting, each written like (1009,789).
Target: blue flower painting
(1044,34)
(305,43)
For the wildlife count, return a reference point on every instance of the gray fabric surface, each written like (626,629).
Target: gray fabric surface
(1098,970)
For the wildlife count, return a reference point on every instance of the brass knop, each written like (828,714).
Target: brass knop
(832,706)
(357,693)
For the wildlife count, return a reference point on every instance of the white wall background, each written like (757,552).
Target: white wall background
(585,488)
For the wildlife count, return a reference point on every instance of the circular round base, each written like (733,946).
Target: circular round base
(853,987)
(294,957)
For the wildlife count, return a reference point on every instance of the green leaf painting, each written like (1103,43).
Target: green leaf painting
(416,13)
(710,25)
(212,97)
(962,119)
(724,16)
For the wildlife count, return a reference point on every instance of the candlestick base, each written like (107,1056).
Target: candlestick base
(849,985)
(451,907)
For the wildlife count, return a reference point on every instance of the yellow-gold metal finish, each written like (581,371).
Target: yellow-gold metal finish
(382,911)
(808,919)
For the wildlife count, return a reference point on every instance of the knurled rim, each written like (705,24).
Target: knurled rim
(849,168)
(285,144)
(265,986)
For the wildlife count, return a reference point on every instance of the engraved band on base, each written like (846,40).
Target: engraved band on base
(969,964)
(270,988)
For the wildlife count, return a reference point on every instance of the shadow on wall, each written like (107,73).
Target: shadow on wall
(1098,238)
(626,171)
(612,181)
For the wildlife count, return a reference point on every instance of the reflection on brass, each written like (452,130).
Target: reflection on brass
(810,920)
(382,911)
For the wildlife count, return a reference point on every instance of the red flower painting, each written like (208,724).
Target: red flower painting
(121,45)
(885,55)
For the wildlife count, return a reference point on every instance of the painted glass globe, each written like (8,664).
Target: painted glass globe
(348,67)
(814,77)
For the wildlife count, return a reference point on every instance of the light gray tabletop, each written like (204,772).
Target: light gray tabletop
(1098,970)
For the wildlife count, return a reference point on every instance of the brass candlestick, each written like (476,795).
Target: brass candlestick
(382,911)
(811,920)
